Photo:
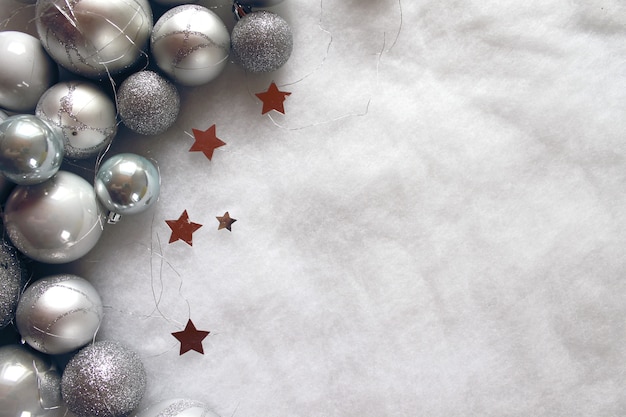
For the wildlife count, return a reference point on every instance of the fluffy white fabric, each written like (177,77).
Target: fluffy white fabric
(434,228)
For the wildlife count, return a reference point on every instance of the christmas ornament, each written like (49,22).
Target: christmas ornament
(13,276)
(30,151)
(177,408)
(3,115)
(191,338)
(273,99)
(82,114)
(59,314)
(182,229)
(127,184)
(226,222)
(94,38)
(147,103)
(262,41)
(29,74)
(173,2)
(206,141)
(56,221)
(105,379)
(30,385)
(190,44)
(259,3)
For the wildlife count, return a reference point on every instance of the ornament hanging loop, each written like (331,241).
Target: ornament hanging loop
(240,11)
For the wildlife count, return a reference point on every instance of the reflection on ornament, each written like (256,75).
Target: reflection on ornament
(127,184)
(262,41)
(30,386)
(56,221)
(105,379)
(83,115)
(191,44)
(13,276)
(177,408)
(94,37)
(59,314)
(174,2)
(26,71)
(3,115)
(30,151)
(148,104)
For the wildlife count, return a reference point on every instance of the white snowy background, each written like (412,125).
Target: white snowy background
(435,227)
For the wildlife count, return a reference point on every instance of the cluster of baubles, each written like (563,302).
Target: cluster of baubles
(55,216)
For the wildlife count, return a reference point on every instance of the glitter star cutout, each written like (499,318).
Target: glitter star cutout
(206,141)
(225,222)
(191,338)
(182,229)
(273,99)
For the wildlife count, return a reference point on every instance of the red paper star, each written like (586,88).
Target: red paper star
(225,222)
(206,141)
(191,338)
(182,229)
(273,99)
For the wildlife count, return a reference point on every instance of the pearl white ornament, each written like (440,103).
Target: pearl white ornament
(30,151)
(177,408)
(127,183)
(93,37)
(82,114)
(174,2)
(26,71)
(30,385)
(55,222)
(59,314)
(191,44)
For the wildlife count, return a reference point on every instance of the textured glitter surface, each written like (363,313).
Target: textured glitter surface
(148,103)
(105,379)
(262,41)
(13,276)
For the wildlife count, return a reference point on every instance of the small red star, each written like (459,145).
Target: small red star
(273,99)
(225,222)
(191,338)
(182,229)
(206,141)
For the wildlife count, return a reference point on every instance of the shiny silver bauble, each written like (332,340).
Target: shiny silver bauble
(30,150)
(55,222)
(82,114)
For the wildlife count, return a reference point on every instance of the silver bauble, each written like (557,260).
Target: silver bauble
(94,37)
(105,379)
(3,115)
(262,41)
(127,183)
(82,114)
(59,314)
(147,103)
(13,276)
(30,151)
(26,71)
(191,44)
(30,386)
(55,222)
(177,408)
(259,3)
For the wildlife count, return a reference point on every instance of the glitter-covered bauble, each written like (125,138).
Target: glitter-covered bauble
(55,222)
(259,3)
(127,183)
(190,44)
(59,314)
(13,276)
(82,114)
(262,41)
(105,379)
(147,103)
(30,386)
(177,408)
(94,37)
(26,71)
(30,151)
